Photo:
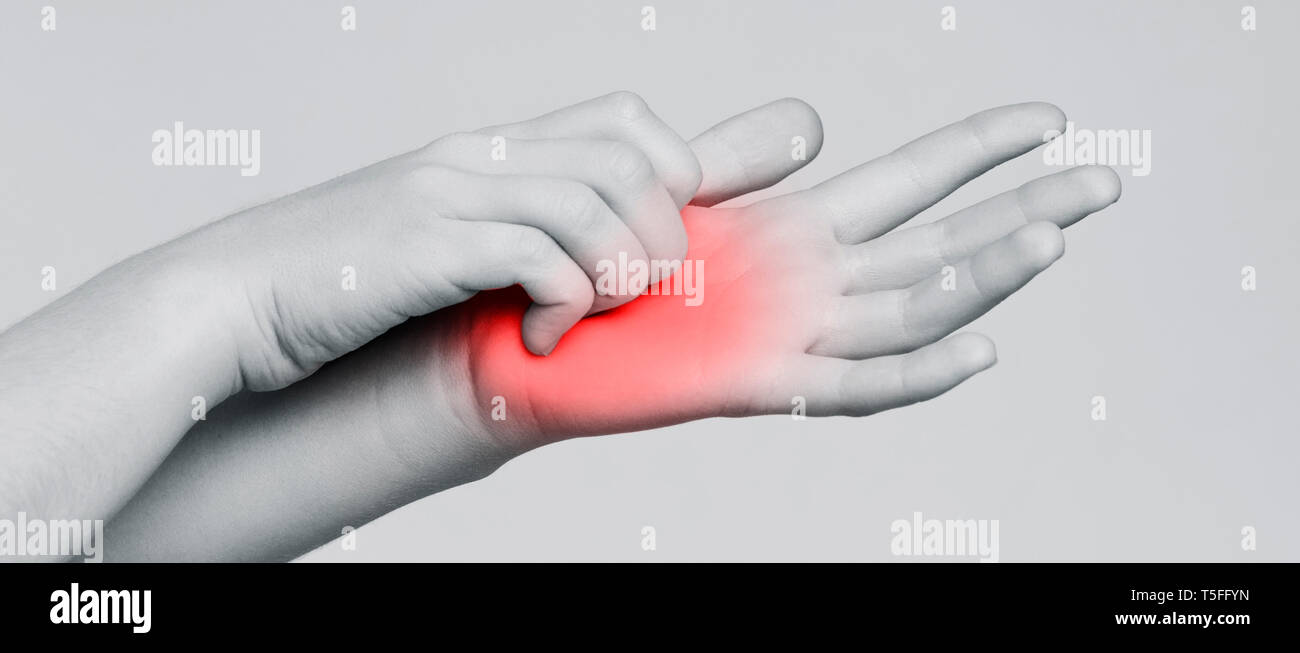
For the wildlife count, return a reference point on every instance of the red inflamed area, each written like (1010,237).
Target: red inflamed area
(654,361)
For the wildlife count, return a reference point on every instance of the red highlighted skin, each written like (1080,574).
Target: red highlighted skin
(656,360)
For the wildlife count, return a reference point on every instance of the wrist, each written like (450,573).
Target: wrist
(421,401)
(194,290)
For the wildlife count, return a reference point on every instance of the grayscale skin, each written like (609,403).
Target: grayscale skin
(96,389)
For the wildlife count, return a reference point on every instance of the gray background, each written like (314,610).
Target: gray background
(1146,307)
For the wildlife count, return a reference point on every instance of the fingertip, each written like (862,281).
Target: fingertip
(544,326)
(1049,116)
(805,120)
(975,352)
(1103,183)
(1042,241)
(1044,119)
(538,345)
(1016,128)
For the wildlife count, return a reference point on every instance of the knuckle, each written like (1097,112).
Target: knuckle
(628,165)
(975,129)
(628,105)
(578,290)
(452,145)
(428,179)
(530,245)
(913,334)
(578,204)
(937,242)
(904,385)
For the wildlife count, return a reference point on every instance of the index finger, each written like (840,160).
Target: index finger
(619,116)
(756,149)
(877,196)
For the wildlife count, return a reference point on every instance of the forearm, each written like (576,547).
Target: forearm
(272,476)
(99,386)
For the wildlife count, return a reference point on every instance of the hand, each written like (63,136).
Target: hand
(538,204)
(806,297)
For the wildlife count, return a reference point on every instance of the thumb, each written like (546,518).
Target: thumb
(755,149)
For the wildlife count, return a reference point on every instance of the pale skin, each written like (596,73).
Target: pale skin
(98,386)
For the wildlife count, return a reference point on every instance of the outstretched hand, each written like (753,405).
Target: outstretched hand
(809,300)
